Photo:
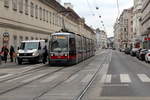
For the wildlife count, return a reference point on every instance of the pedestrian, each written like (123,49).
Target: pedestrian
(0,58)
(11,53)
(6,51)
(45,54)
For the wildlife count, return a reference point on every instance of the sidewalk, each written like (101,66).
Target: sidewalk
(3,64)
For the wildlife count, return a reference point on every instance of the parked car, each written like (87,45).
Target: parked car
(147,57)
(121,49)
(138,53)
(113,48)
(133,51)
(127,50)
(142,54)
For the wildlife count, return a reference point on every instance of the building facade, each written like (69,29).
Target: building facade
(37,19)
(101,38)
(117,40)
(146,23)
(137,39)
(123,29)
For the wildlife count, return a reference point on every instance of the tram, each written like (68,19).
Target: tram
(70,48)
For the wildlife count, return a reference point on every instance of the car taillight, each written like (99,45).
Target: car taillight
(148,54)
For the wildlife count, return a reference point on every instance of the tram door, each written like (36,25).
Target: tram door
(72,49)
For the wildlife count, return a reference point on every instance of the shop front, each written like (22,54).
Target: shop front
(146,41)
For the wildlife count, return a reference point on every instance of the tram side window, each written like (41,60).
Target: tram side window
(72,45)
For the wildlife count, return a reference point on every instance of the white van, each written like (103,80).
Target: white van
(31,51)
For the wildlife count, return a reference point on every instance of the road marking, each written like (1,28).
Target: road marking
(17,78)
(4,76)
(115,85)
(124,78)
(33,78)
(72,78)
(143,77)
(87,78)
(49,79)
(103,79)
(108,78)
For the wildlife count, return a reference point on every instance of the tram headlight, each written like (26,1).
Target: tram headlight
(52,54)
(65,54)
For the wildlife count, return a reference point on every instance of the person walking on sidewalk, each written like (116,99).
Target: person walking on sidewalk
(0,58)
(6,51)
(11,53)
(45,54)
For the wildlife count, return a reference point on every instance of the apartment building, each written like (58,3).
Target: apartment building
(37,19)
(146,23)
(137,39)
(117,39)
(101,38)
(123,29)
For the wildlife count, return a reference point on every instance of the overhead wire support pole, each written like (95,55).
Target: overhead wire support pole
(118,8)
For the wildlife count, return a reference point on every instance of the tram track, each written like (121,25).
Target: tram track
(69,76)
(90,83)
(36,97)
(61,82)
(20,74)
(26,83)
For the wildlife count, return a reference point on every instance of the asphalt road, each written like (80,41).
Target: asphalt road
(126,78)
(110,75)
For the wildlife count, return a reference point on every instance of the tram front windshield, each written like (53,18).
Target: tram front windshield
(59,44)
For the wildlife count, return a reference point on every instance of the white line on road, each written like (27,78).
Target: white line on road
(108,78)
(143,77)
(72,78)
(87,78)
(33,78)
(124,78)
(9,81)
(103,79)
(49,79)
(4,76)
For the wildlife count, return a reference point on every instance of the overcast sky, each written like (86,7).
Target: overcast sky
(107,10)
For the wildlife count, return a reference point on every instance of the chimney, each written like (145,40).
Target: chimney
(68,5)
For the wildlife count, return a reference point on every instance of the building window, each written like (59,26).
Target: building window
(21,39)
(53,18)
(26,38)
(26,7)
(43,14)
(40,13)
(32,38)
(15,41)
(20,6)
(36,11)
(6,3)
(14,4)
(56,19)
(50,17)
(47,16)
(32,9)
